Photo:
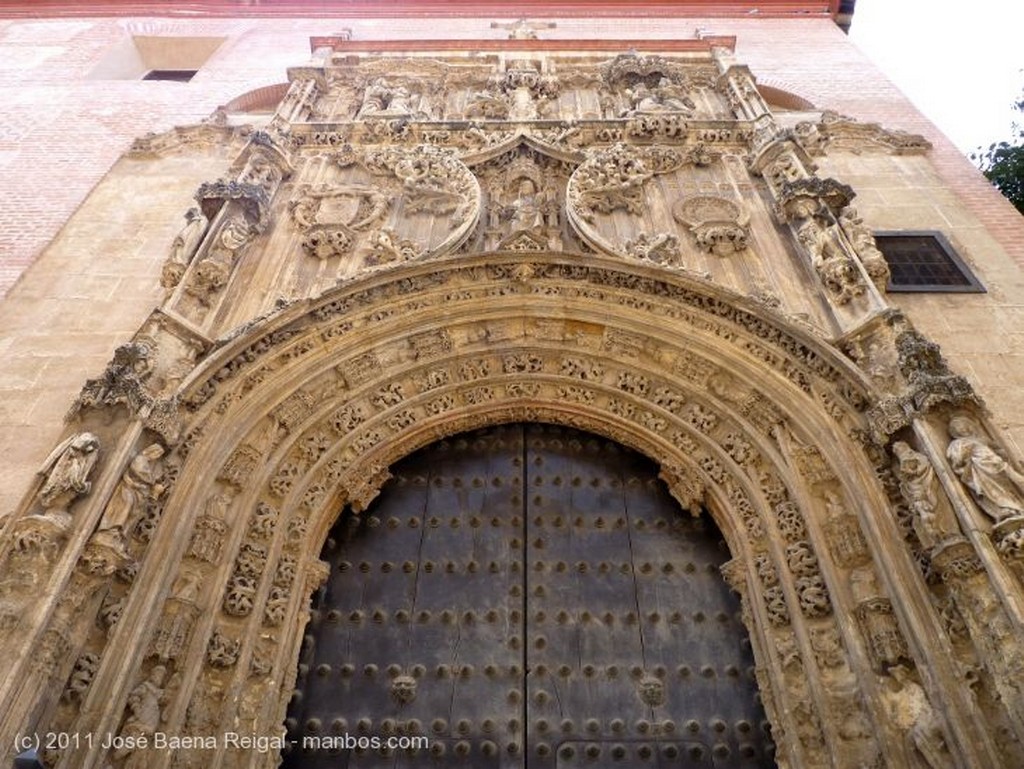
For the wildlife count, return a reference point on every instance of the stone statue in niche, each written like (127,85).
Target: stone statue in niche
(184,247)
(913,715)
(524,212)
(919,487)
(67,472)
(995,485)
(864,244)
(141,485)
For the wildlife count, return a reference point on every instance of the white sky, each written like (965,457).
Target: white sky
(960,63)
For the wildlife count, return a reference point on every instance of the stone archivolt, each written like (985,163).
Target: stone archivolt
(237,454)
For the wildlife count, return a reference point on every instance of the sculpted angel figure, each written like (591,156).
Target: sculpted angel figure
(67,471)
(995,485)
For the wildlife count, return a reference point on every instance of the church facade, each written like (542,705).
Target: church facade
(558,391)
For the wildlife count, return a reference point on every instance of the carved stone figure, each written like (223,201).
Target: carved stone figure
(145,705)
(386,247)
(995,485)
(919,486)
(718,224)
(183,248)
(833,264)
(666,96)
(863,242)
(141,485)
(67,472)
(385,99)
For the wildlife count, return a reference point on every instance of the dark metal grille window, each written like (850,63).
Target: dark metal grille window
(177,75)
(924,261)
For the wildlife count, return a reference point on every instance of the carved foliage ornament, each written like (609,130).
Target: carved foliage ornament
(613,178)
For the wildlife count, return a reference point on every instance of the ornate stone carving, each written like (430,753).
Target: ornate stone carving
(332,216)
(178,618)
(665,96)
(387,99)
(613,178)
(145,716)
(994,483)
(387,247)
(210,274)
(802,198)
(920,489)
(885,640)
(839,132)
(925,370)
(222,650)
(122,383)
(718,224)
(660,248)
(81,678)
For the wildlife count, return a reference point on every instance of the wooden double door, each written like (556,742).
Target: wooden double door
(526,595)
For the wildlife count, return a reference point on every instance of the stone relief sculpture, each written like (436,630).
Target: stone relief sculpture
(183,249)
(660,248)
(333,217)
(67,472)
(211,274)
(995,485)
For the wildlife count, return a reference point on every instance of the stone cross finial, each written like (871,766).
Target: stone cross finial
(521,29)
